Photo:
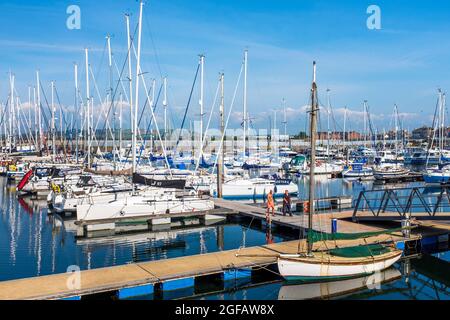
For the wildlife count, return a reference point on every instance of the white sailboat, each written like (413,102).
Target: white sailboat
(440,175)
(339,263)
(156,201)
(394,169)
(256,188)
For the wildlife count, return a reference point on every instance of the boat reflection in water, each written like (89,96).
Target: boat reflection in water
(333,289)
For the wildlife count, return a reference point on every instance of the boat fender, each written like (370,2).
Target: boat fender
(24,180)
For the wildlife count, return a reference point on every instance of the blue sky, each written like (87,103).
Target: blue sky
(404,63)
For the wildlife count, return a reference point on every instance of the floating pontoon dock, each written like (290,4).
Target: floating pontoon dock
(172,274)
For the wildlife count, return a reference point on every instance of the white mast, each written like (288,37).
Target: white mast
(345,123)
(328,123)
(443,121)
(283,102)
(88,112)
(274,136)
(396,131)
(18,122)
(365,126)
(76,109)
(130,74)
(440,120)
(221,153)
(39,108)
(29,111)
(202,75)
(165,111)
(53,123)
(110,94)
(152,103)
(136,105)
(15,122)
(245,100)
(35,120)
(441,140)
(120,124)
(12,114)
(61,127)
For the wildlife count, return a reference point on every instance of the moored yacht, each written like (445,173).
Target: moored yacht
(390,171)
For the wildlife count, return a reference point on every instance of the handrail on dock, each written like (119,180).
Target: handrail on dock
(406,202)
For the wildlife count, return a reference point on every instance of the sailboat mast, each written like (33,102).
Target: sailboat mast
(221,155)
(61,128)
(136,104)
(313,130)
(53,123)
(35,120)
(12,139)
(284,117)
(442,119)
(202,74)
(130,72)
(396,132)
(165,111)
(444,135)
(345,123)
(152,103)
(108,40)
(88,113)
(245,101)
(39,109)
(328,123)
(29,114)
(365,126)
(76,110)
(120,125)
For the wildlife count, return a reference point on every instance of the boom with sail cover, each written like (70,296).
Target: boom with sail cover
(315,236)
(170,184)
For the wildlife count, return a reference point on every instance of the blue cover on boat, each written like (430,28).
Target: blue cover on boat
(357,166)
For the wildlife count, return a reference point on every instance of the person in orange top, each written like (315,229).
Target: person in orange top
(270,204)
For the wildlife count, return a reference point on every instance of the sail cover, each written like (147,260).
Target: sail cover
(315,236)
(360,251)
(172,184)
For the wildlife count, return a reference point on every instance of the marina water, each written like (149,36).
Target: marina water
(35,242)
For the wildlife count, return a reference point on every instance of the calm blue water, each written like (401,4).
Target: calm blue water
(33,243)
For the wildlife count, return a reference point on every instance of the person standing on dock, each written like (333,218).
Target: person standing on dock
(287,203)
(270,205)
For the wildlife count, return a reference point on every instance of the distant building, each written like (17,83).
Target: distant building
(423,133)
(349,136)
(353,136)
(391,135)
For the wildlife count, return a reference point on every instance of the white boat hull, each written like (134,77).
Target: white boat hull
(293,268)
(138,206)
(257,189)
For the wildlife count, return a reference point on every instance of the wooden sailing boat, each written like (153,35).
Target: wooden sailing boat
(339,263)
